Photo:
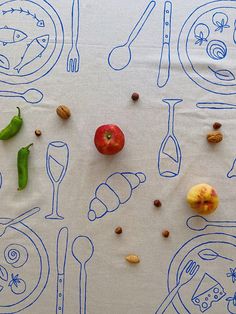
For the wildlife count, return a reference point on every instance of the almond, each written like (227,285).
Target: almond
(133,259)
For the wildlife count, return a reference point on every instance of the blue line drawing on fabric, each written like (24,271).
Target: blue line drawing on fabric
(37,55)
(232,274)
(216,293)
(16,255)
(4,62)
(189,271)
(39,277)
(0,180)
(61,255)
(73,58)
(10,35)
(34,50)
(234,33)
(57,159)
(32,95)
(216,49)
(201,33)
(21,217)
(17,284)
(220,20)
(82,250)
(165,62)
(115,191)
(3,273)
(209,76)
(121,55)
(169,155)
(231,306)
(39,22)
(211,255)
(214,105)
(223,74)
(199,223)
(225,244)
(231,173)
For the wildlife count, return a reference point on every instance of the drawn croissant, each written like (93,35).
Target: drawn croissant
(115,191)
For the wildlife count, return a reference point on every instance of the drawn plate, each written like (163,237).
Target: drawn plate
(208,290)
(31,40)
(28,262)
(206,47)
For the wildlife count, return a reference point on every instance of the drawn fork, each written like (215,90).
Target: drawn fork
(188,272)
(73,59)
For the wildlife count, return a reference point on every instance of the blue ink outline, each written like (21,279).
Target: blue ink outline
(83,274)
(215,105)
(209,223)
(220,25)
(234,302)
(141,178)
(170,135)
(44,263)
(73,58)
(56,184)
(0,180)
(198,237)
(61,253)
(219,45)
(13,262)
(163,75)
(26,95)
(40,23)
(184,58)
(133,35)
(59,32)
(13,30)
(231,170)
(212,255)
(15,281)
(200,37)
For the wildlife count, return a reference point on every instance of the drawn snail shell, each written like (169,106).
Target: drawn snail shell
(115,191)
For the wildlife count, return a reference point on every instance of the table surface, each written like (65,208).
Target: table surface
(178,56)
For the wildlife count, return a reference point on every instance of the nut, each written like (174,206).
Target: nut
(135,96)
(165,233)
(118,230)
(217,125)
(63,112)
(37,132)
(157,203)
(214,137)
(133,259)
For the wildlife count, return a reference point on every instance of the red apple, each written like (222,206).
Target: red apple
(109,139)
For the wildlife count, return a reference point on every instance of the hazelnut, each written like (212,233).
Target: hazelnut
(63,112)
(118,230)
(217,125)
(214,137)
(135,96)
(165,233)
(37,132)
(157,203)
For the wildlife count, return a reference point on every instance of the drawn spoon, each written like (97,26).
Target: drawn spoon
(120,56)
(82,250)
(199,223)
(28,213)
(32,95)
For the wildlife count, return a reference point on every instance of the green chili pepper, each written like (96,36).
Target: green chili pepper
(12,128)
(22,166)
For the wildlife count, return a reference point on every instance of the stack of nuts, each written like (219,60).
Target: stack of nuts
(215,136)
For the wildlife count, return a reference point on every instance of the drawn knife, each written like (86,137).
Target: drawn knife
(62,244)
(164,65)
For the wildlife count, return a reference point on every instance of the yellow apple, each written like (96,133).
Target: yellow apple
(203,198)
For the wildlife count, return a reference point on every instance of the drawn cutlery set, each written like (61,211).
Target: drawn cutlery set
(82,250)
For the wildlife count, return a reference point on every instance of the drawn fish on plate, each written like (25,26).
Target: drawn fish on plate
(11,35)
(34,50)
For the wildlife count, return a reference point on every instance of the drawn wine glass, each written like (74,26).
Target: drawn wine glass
(57,159)
(169,155)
